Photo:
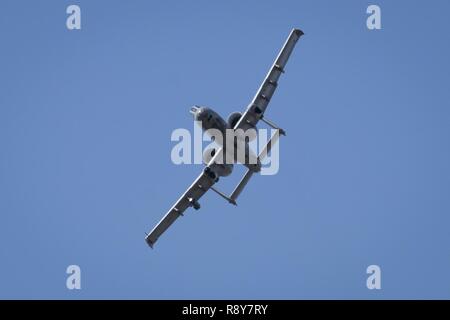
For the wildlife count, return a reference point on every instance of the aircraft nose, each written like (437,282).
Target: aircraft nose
(196,112)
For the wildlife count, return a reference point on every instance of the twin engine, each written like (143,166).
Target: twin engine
(234,118)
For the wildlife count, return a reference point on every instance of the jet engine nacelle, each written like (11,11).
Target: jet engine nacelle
(233,120)
(221,170)
(208,154)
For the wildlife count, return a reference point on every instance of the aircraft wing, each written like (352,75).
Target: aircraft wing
(188,199)
(262,98)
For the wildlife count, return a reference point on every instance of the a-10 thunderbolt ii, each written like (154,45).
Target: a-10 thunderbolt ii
(213,158)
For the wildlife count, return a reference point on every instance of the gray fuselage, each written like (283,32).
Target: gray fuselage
(236,146)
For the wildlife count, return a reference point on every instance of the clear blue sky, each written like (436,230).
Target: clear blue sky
(85,169)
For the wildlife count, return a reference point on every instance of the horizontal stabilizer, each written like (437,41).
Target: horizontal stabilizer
(237,191)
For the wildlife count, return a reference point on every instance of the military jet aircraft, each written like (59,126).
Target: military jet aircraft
(214,169)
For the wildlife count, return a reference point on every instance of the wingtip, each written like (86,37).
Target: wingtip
(149,242)
(298,32)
